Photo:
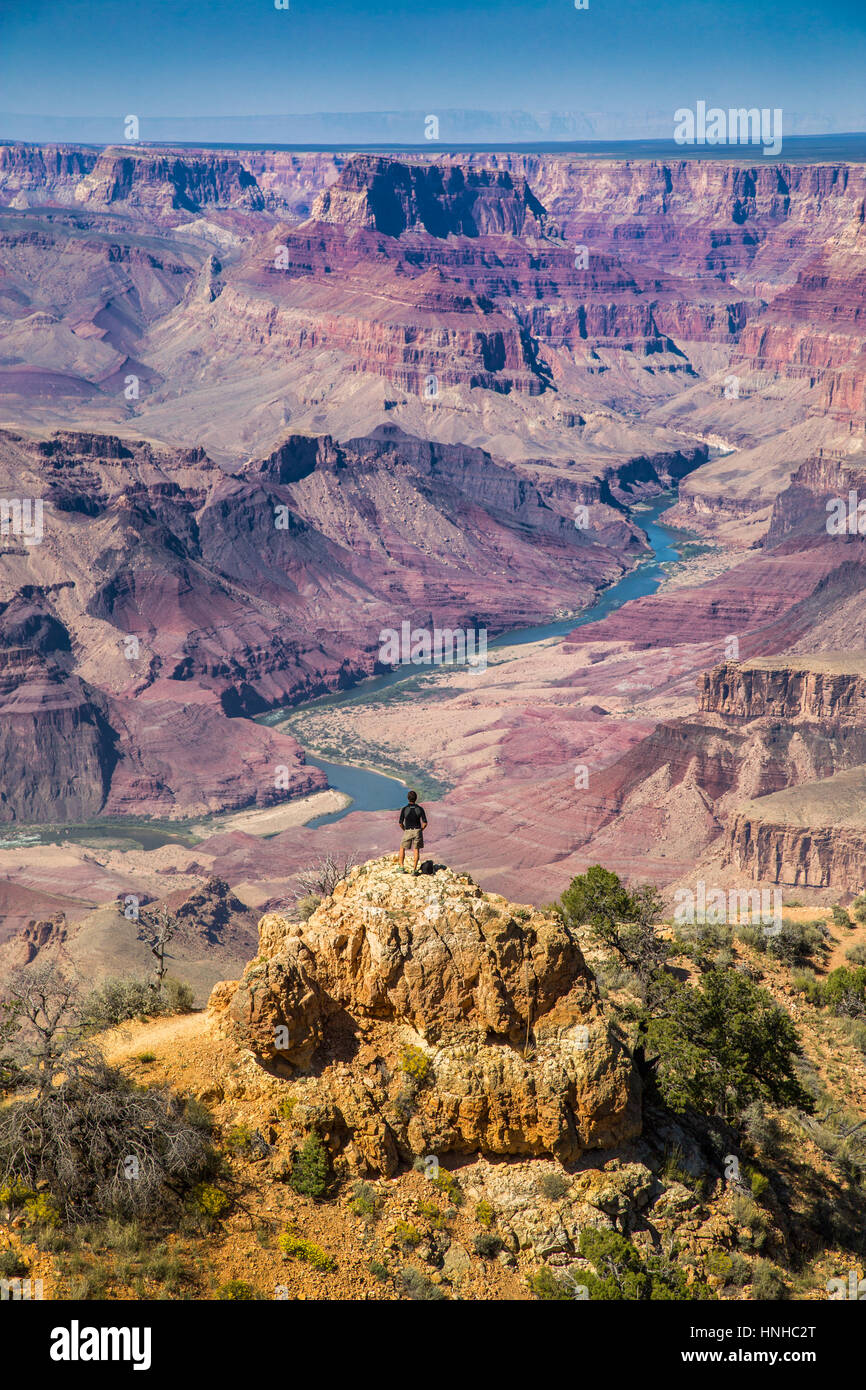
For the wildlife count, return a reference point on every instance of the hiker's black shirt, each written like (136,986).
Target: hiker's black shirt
(412,817)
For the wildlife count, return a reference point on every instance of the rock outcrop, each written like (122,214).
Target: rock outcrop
(811,836)
(829,686)
(389,196)
(423,1016)
(211,916)
(161,183)
(23,948)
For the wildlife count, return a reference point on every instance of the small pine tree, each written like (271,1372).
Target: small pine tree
(311,1169)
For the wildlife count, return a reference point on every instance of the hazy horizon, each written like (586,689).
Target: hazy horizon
(488,71)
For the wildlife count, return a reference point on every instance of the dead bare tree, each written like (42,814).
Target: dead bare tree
(322,877)
(159,928)
(41,1004)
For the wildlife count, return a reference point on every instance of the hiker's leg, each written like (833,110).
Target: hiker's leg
(415,864)
(401,856)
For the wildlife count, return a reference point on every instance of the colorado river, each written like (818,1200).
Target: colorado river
(373,791)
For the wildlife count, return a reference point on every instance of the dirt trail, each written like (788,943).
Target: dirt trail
(177,1033)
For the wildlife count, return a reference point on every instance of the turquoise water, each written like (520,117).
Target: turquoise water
(370,791)
(644,579)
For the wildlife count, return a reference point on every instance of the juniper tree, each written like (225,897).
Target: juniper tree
(623,921)
(311,1169)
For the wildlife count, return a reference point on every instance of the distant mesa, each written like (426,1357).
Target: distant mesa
(442,200)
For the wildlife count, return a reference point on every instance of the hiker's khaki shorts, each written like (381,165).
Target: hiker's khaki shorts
(412,839)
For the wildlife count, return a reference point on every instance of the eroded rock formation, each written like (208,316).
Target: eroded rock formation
(830,687)
(421,1015)
(811,835)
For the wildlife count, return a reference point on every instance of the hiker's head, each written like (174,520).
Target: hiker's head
(413,796)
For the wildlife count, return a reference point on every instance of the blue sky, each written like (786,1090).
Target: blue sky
(232,57)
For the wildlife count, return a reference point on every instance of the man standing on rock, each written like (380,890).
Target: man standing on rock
(413,823)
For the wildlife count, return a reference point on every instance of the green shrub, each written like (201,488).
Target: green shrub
(806,982)
(698,938)
(145,1058)
(14,1193)
(307,905)
(855,1031)
(297,1248)
(554,1186)
(487,1245)
(447,1183)
(311,1170)
(365,1200)
(768,1282)
(623,1274)
(857,954)
(236,1290)
(123,1235)
(166,1269)
(723,1043)
(210,1201)
(180,997)
(545,1285)
(763,1130)
(433,1215)
(286,1107)
(418,1287)
(797,942)
(624,922)
(239,1138)
(41,1211)
(121,998)
(731,1268)
(415,1063)
(753,1222)
(758,1182)
(406,1235)
(197,1114)
(673,1169)
(12,1265)
(841,917)
(858,907)
(485,1215)
(752,936)
(91,1284)
(845,991)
